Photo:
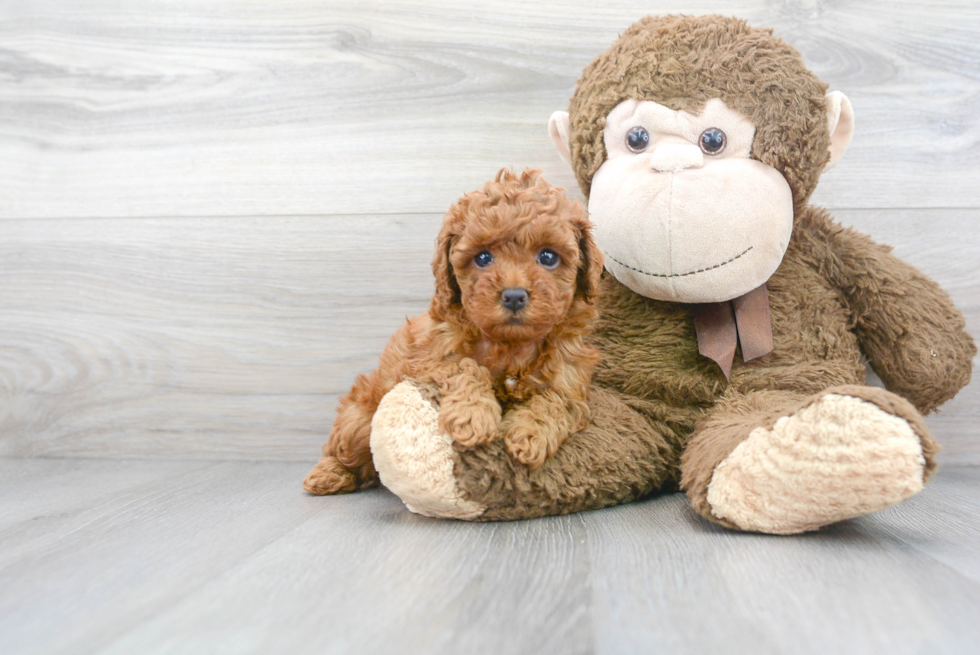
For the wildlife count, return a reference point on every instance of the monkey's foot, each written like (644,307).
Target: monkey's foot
(414,458)
(837,458)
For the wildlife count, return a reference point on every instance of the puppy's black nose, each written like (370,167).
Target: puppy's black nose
(514,298)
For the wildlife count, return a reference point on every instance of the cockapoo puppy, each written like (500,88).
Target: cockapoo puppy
(517,274)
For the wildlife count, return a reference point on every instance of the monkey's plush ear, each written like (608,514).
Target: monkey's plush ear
(559,127)
(840,119)
(447,293)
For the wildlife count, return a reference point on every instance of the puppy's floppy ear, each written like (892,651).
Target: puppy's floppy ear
(447,293)
(590,261)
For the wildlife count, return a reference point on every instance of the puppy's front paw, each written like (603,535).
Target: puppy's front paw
(530,447)
(471,423)
(330,477)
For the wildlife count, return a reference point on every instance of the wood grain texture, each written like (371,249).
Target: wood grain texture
(208,337)
(181,557)
(234,337)
(146,109)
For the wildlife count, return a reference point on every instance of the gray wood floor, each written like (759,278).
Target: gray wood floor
(117,556)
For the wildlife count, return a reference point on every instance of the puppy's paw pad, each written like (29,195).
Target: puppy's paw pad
(470,424)
(330,477)
(530,449)
(469,431)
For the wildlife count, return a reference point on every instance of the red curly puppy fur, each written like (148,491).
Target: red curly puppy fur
(517,274)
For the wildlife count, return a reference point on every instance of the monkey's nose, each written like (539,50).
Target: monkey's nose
(514,298)
(673,157)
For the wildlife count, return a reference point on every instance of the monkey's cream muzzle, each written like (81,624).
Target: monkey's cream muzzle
(676,223)
(674,157)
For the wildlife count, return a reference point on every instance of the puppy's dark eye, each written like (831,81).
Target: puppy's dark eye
(548,258)
(483,259)
(712,141)
(637,139)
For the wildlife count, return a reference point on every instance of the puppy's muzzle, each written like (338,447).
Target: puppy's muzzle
(514,298)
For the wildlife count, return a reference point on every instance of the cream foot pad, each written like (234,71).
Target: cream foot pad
(414,458)
(835,459)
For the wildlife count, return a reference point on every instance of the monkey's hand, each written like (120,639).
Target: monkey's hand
(907,326)
(469,411)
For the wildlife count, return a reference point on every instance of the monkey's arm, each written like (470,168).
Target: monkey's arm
(907,326)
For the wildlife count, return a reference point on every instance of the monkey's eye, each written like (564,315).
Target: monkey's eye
(548,258)
(637,139)
(483,259)
(712,141)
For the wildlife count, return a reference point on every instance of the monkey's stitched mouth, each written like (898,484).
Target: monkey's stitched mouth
(700,270)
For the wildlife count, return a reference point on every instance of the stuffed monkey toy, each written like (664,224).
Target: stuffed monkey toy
(733,316)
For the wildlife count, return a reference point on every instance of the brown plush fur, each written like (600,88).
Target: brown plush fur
(682,62)
(521,374)
(662,414)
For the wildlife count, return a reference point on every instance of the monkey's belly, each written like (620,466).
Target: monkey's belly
(649,348)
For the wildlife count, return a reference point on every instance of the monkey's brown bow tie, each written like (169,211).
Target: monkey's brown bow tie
(722,325)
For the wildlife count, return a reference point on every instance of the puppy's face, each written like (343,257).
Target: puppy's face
(517,274)
(516,259)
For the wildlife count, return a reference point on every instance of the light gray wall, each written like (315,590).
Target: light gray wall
(213,214)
